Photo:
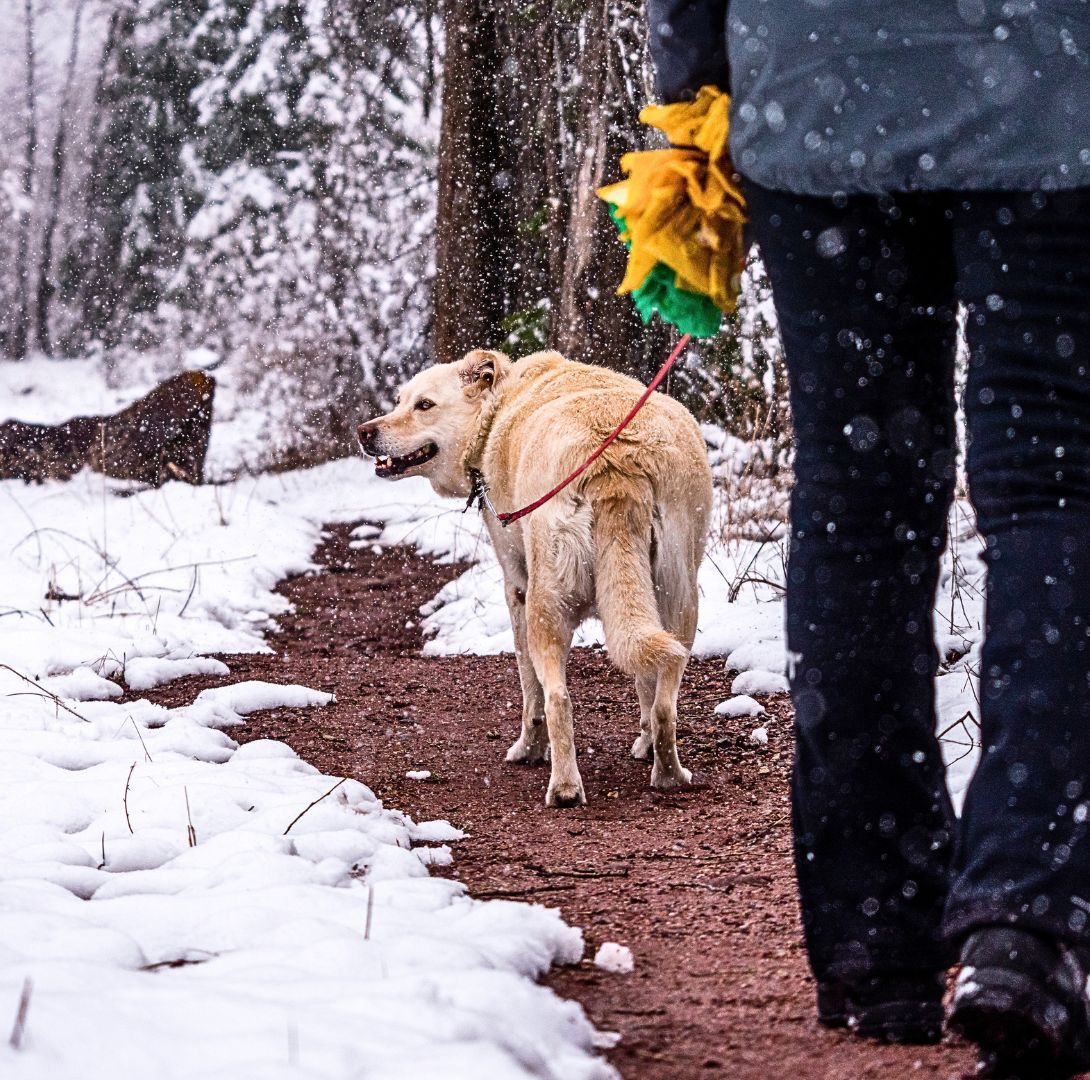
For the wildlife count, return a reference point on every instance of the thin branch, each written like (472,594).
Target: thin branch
(313,804)
(125,797)
(191,833)
(136,728)
(19,1027)
(41,691)
(94,597)
(577,872)
(192,590)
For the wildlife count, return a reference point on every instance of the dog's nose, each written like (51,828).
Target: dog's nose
(366,434)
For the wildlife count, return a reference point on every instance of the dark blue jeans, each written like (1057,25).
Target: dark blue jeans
(866,290)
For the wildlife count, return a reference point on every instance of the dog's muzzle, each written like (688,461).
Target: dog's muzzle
(386,464)
(368,436)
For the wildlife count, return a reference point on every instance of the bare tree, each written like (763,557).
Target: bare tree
(591,322)
(473,232)
(20,335)
(539,102)
(46,285)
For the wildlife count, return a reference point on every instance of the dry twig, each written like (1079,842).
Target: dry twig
(313,804)
(41,691)
(125,797)
(191,833)
(19,1027)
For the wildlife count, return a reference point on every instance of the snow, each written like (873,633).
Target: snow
(418,774)
(246,697)
(147,672)
(614,958)
(43,391)
(742,705)
(759,736)
(757,681)
(175,904)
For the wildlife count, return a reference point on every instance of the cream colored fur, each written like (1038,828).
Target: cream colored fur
(623,541)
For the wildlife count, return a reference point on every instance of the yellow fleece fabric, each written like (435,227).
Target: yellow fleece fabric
(682,206)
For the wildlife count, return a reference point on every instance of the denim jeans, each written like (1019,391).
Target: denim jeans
(866,291)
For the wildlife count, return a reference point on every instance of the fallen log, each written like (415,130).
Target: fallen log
(161,437)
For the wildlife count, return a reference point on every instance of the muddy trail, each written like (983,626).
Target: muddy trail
(699,885)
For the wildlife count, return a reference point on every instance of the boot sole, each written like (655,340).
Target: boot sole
(908,1022)
(1006,1015)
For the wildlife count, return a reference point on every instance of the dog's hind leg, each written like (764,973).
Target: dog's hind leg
(645,691)
(676,595)
(667,771)
(549,631)
(531,746)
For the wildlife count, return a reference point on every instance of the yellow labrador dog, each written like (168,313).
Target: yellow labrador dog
(623,541)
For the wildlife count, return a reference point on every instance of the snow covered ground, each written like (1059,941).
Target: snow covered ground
(173,904)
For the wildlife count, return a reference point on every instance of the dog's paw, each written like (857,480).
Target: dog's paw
(641,748)
(664,780)
(562,795)
(524,752)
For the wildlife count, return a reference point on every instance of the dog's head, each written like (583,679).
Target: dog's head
(437,418)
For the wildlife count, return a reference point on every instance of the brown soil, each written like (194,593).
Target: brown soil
(698,885)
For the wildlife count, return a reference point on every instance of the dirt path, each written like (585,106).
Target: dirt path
(699,885)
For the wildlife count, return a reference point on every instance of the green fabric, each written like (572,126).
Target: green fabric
(690,312)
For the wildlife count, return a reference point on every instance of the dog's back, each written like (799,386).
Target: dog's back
(629,534)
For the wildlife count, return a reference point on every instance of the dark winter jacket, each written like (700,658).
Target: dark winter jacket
(890,95)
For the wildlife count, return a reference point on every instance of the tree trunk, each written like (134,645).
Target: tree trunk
(91,278)
(539,102)
(592,322)
(471,236)
(20,336)
(46,286)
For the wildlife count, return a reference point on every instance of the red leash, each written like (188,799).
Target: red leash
(480,491)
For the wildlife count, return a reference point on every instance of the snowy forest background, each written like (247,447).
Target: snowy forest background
(323,196)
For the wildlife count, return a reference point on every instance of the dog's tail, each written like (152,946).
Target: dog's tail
(624,586)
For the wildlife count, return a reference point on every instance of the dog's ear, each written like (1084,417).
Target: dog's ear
(481,369)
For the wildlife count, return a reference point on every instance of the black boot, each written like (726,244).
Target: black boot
(1023,1000)
(895,1009)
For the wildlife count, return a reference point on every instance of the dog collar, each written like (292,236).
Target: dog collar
(478,496)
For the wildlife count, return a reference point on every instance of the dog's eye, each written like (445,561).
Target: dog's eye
(423,405)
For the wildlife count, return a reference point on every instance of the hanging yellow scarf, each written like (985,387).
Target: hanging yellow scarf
(681,213)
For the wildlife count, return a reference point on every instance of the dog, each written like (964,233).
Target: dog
(624,540)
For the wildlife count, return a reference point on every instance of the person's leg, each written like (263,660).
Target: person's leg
(864,295)
(1023,852)
(1021,895)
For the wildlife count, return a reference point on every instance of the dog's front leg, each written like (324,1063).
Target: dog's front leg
(531,747)
(549,631)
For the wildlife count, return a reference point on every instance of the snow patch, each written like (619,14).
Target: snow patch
(249,697)
(759,682)
(742,705)
(614,958)
(147,672)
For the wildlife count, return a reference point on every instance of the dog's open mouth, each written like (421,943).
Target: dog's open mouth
(395,466)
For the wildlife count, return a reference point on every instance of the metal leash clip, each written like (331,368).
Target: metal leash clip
(479,495)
